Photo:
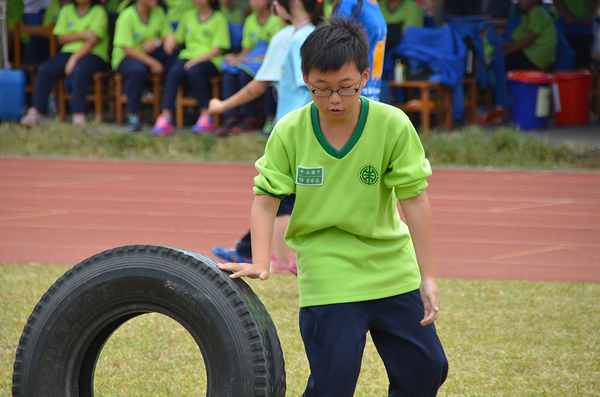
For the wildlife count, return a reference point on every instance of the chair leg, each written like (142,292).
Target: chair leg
(447,104)
(98,95)
(179,108)
(62,102)
(156,83)
(118,96)
(425,111)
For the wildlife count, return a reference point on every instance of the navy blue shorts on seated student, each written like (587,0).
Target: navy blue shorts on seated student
(334,338)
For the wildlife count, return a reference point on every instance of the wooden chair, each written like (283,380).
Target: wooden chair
(121,99)
(37,30)
(443,108)
(100,94)
(182,101)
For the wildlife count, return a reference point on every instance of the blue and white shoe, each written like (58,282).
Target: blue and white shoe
(230,255)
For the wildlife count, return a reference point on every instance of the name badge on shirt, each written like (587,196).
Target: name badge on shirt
(309,176)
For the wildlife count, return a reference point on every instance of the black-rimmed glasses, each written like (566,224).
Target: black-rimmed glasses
(322,92)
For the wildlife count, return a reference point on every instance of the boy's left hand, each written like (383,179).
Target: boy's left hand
(251,270)
(431,301)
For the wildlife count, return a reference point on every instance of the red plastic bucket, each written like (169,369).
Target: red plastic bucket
(531,96)
(573,102)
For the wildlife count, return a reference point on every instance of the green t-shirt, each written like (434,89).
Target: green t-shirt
(199,37)
(408,12)
(254,31)
(234,15)
(176,8)
(70,22)
(131,31)
(51,13)
(350,242)
(542,52)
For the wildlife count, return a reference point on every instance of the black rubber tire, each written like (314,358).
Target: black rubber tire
(67,329)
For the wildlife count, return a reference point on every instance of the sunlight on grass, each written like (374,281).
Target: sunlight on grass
(502,338)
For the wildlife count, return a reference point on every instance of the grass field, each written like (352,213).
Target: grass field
(502,338)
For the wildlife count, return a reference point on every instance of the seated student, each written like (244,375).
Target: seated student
(144,43)
(261,25)
(82,31)
(360,268)
(532,44)
(399,15)
(205,34)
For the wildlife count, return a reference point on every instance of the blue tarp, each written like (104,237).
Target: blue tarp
(492,75)
(442,50)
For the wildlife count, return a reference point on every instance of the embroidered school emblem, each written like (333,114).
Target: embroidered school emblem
(368,175)
(309,176)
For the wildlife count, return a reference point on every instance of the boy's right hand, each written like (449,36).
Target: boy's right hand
(251,270)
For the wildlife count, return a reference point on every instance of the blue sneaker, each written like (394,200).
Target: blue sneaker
(230,255)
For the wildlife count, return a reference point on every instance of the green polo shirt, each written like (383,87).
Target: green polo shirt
(69,22)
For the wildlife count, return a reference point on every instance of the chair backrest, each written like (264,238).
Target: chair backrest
(37,30)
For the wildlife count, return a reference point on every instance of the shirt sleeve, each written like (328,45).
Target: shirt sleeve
(536,21)
(221,38)
(246,35)
(274,173)
(61,22)
(124,31)
(408,167)
(99,25)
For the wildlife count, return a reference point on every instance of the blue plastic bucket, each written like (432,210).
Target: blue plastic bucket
(531,95)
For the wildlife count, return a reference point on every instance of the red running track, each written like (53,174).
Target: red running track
(488,224)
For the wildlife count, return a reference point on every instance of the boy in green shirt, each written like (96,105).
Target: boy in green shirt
(360,269)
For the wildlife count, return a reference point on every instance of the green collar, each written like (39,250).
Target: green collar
(358,130)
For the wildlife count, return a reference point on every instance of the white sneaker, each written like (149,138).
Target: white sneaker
(78,119)
(32,118)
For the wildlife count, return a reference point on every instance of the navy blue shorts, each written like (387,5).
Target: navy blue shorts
(334,338)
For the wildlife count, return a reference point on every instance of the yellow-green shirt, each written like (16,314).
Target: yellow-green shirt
(131,31)
(199,37)
(69,22)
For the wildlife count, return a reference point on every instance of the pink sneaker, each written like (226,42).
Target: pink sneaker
(204,125)
(163,126)
(279,265)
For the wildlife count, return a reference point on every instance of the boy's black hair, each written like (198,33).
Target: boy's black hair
(334,44)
